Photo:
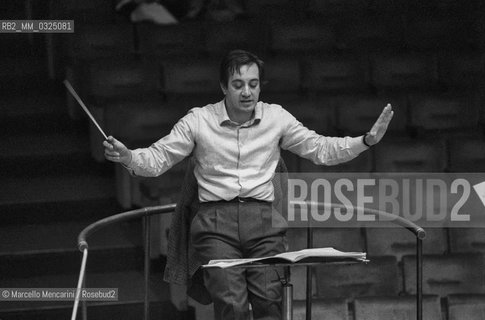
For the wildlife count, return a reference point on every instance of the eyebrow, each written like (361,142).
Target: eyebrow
(241,80)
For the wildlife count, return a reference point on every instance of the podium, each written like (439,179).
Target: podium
(146,213)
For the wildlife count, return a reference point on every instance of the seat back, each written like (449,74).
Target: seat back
(395,308)
(399,242)
(466,306)
(335,309)
(446,274)
(378,277)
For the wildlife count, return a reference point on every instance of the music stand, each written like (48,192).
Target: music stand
(287,306)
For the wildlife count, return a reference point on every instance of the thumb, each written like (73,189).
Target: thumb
(117,145)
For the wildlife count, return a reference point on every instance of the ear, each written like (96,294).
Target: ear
(223,88)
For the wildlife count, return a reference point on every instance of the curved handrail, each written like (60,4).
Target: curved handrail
(128,215)
(418,231)
(90,229)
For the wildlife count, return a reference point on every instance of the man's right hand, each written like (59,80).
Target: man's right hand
(116,151)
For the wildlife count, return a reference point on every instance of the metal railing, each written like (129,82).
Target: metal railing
(145,213)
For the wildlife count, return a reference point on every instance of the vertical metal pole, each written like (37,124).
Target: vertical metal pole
(147,268)
(419,279)
(309,293)
(84,303)
(288,301)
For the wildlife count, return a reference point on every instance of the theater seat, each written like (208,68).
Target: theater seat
(248,35)
(409,155)
(444,114)
(466,154)
(114,78)
(461,70)
(282,75)
(396,308)
(97,41)
(467,239)
(399,242)
(183,77)
(332,73)
(170,41)
(335,309)
(298,280)
(356,114)
(378,277)
(288,37)
(466,306)
(446,274)
(404,71)
(437,31)
(343,239)
(330,8)
(370,33)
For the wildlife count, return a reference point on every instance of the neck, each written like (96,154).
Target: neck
(238,117)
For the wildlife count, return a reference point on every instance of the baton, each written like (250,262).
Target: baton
(74,94)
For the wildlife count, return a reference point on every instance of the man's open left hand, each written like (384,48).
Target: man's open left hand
(380,127)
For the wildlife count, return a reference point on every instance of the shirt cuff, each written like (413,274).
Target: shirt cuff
(356,145)
(130,166)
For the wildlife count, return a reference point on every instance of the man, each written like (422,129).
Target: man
(236,145)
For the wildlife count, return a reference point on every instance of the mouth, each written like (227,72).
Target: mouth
(246,101)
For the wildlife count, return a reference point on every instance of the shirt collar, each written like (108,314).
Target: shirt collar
(223,117)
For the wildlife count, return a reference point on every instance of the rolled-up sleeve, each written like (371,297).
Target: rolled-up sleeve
(166,152)
(319,149)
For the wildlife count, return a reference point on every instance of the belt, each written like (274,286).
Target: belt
(246,199)
(239,200)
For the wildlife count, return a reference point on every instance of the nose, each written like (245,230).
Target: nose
(246,92)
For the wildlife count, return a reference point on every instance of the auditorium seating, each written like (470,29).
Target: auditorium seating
(431,31)
(332,63)
(300,38)
(357,113)
(444,114)
(466,154)
(466,306)
(335,73)
(470,239)
(113,78)
(167,42)
(189,77)
(282,76)
(249,35)
(404,71)
(328,8)
(94,41)
(94,45)
(369,33)
(408,155)
(335,309)
(298,279)
(398,242)
(85,12)
(343,239)
(395,308)
(446,274)
(378,277)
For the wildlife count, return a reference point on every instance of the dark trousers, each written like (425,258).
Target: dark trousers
(229,230)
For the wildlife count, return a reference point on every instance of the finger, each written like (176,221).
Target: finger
(112,154)
(385,112)
(112,158)
(108,145)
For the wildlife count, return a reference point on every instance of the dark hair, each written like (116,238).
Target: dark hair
(234,60)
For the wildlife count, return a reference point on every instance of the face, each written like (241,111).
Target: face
(242,92)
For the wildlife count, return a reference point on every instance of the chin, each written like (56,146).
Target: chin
(246,106)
